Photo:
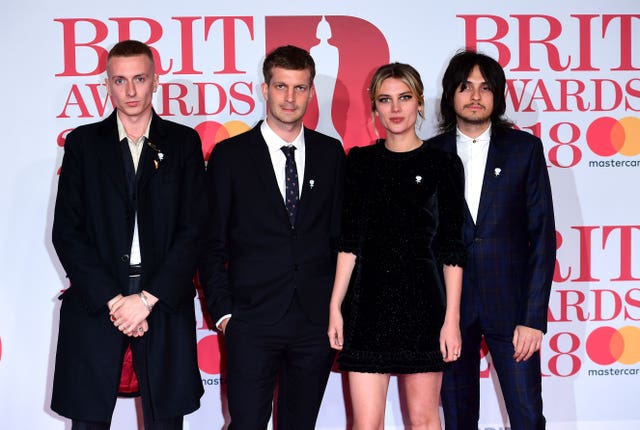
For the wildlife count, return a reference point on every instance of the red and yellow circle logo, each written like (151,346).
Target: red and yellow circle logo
(212,132)
(607,345)
(607,136)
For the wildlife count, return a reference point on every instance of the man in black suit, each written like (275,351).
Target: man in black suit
(509,231)
(270,260)
(128,228)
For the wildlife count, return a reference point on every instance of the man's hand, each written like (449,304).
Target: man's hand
(111,303)
(128,314)
(141,330)
(223,324)
(526,341)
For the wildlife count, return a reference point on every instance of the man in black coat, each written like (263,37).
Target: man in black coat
(127,228)
(270,261)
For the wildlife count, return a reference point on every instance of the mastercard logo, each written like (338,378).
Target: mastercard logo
(607,136)
(212,132)
(607,345)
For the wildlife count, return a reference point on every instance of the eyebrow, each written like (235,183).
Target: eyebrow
(401,94)
(274,81)
(467,81)
(135,76)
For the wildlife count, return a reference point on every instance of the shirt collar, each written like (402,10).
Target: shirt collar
(276,142)
(463,138)
(122,134)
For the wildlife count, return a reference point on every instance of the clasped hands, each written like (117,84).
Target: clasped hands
(129,314)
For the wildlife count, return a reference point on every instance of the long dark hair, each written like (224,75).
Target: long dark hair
(457,73)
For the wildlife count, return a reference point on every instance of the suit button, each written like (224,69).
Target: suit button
(296,267)
(124,258)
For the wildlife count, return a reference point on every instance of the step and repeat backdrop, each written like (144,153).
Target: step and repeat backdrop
(573,72)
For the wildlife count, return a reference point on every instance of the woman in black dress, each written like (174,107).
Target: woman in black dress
(396,296)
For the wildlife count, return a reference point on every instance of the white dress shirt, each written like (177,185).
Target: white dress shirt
(135,257)
(473,153)
(278,159)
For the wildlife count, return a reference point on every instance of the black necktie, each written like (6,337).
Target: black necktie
(291,182)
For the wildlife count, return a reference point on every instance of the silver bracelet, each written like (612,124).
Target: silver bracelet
(143,297)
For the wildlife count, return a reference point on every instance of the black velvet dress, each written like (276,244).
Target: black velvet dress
(399,207)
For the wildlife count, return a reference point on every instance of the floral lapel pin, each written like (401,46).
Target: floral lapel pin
(497,171)
(312,183)
(160,154)
(418,179)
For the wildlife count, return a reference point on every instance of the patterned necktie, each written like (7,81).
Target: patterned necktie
(291,182)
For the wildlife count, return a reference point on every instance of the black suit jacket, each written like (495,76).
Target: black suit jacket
(512,247)
(92,234)
(254,260)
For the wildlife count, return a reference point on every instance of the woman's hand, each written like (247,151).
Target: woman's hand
(336,338)
(450,341)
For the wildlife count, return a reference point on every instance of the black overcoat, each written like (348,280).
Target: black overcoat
(92,233)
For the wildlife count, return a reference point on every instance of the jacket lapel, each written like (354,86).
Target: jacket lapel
(495,161)
(263,167)
(110,153)
(312,167)
(311,173)
(147,166)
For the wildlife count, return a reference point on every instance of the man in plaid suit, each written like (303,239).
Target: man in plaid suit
(510,235)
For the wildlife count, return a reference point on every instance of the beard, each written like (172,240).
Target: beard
(474,118)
